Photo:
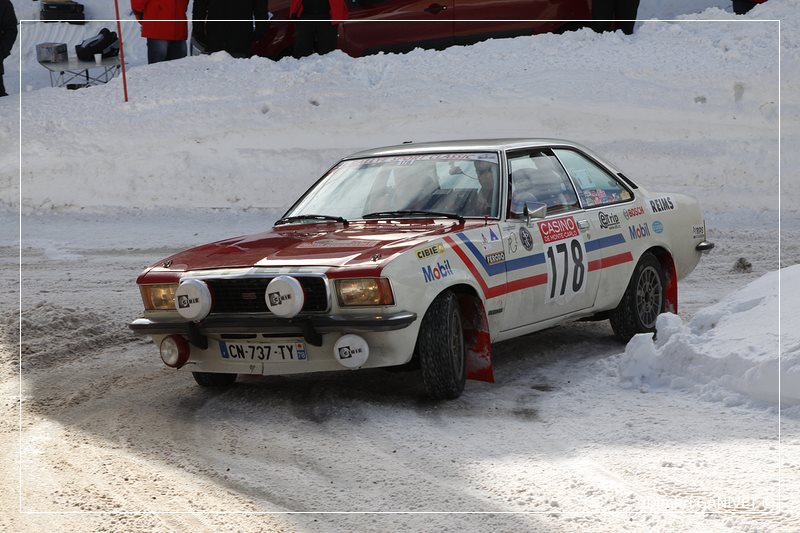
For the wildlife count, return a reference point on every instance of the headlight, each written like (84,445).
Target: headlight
(158,297)
(364,291)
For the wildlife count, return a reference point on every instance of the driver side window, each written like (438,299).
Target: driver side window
(538,178)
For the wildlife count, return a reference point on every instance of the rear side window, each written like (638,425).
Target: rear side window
(595,185)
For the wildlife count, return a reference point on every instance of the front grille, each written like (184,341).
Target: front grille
(246,295)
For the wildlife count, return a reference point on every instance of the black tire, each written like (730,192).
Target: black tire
(213,379)
(440,349)
(644,299)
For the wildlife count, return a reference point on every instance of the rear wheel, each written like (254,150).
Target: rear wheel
(440,348)
(644,299)
(212,379)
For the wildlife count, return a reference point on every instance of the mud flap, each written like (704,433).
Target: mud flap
(671,290)
(478,343)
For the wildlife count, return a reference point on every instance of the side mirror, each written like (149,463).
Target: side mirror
(539,211)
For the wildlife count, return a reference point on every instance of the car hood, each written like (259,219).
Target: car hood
(360,244)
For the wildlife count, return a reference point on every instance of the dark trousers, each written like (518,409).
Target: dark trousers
(617,11)
(310,37)
(162,50)
(2,87)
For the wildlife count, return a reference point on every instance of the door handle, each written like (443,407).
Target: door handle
(583,224)
(435,8)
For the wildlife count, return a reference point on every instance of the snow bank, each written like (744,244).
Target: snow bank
(728,351)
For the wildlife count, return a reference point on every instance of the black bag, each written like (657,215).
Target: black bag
(105,42)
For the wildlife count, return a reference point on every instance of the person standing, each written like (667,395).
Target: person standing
(8,34)
(614,14)
(320,35)
(228,25)
(164,26)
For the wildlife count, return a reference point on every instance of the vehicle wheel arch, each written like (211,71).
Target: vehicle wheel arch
(477,336)
(670,272)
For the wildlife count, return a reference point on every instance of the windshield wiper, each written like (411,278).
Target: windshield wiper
(318,218)
(412,213)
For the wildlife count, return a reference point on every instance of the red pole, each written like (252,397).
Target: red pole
(121,52)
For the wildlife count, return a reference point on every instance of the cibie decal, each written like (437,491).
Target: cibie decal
(658,205)
(437,272)
(608,220)
(525,238)
(276,298)
(497,257)
(639,232)
(558,229)
(430,251)
(658,227)
(184,301)
(698,232)
(632,212)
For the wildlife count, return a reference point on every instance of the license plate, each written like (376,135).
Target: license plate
(268,352)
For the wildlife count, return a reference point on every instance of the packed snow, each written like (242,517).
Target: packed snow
(579,432)
(729,351)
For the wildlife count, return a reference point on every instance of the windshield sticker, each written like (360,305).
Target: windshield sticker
(558,229)
(664,203)
(337,243)
(431,251)
(409,159)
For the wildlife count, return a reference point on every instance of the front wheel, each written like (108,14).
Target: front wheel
(440,348)
(213,379)
(644,299)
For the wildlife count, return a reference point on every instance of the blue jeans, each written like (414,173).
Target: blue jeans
(162,50)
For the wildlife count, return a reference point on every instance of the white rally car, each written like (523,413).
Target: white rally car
(426,254)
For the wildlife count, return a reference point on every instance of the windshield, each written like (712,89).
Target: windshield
(463,184)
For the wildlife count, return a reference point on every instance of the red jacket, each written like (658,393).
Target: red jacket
(147,11)
(338,10)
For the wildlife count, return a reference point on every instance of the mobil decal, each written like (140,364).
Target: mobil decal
(437,272)
(632,212)
(430,251)
(558,229)
(665,203)
(638,232)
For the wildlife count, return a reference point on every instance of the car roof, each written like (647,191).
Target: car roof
(464,146)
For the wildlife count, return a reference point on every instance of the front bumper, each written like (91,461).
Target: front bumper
(309,327)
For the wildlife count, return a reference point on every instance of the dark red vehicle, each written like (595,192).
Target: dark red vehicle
(402,25)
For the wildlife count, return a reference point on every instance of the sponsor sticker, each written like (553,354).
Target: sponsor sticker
(493,236)
(658,205)
(184,301)
(436,249)
(632,212)
(698,232)
(276,298)
(608,220)
(497,257)
(436,272)
(525,238)
(558,229)
(639,231)
(658,227)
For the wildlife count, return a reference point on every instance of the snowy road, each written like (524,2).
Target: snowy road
(111,440)
(107,428)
